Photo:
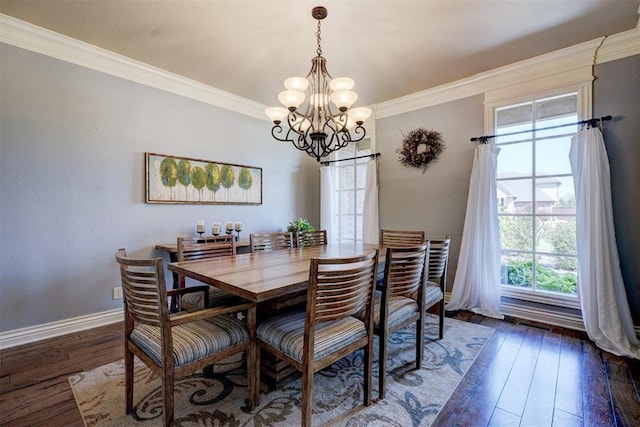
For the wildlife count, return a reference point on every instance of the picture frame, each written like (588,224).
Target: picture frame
(185,180)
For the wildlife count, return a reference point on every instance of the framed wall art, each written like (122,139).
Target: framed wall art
(171,179)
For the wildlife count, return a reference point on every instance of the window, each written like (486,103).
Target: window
(536,200)
(350,179)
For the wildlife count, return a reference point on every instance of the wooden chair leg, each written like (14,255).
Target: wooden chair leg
(419,342)
(252,356)
(441,334)
(167,397)
(382,364)
(368,372)
(128,379)
(307,395)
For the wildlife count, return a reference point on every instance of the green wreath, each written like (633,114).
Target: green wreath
(420,147)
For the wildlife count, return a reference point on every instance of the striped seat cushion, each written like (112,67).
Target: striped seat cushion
(433,294)
(192,341)
(400,308)
(217,298)
(286,333)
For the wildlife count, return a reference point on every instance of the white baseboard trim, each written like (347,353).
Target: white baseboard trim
(549,317)
(62,327)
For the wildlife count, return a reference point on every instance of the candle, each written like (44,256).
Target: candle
(238,226)
(229,226)
(216,228)
(200,226)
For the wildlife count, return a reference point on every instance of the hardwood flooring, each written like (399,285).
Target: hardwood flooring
(527,375)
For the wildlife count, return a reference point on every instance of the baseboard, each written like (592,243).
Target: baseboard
(549,317)
(62,327)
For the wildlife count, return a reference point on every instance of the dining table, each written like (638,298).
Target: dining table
(265,276)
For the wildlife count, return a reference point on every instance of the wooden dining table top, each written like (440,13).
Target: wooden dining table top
(261,276)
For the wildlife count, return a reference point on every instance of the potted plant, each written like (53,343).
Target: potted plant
(300,225)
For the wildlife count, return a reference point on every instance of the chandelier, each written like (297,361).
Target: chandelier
(318,118)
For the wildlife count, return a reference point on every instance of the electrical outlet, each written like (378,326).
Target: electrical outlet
(117,292)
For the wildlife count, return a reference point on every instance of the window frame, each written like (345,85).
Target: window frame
(343,164)
(526,94)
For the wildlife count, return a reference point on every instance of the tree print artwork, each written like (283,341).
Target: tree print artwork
(200,181)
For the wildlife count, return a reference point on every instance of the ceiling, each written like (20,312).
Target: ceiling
(390,48)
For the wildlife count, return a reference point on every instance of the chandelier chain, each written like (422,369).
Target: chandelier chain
(319,49)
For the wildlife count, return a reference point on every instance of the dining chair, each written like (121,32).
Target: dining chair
(338,321)
(270,241)
(401,302)
(198,248)
(311,238)
(401,237)
(178,344)
(437,277)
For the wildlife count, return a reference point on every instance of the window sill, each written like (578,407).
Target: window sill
(540,297)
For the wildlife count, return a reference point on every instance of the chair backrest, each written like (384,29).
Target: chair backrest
(270,241)
(341,287)
(438,260)
(190,248)
(405,271)
(144,290)
(401,237)
(311,238)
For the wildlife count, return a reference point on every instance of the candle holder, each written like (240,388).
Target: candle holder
(200,233)
(238,228)
(215,230)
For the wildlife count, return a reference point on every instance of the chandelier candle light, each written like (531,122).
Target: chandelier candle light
(317,128)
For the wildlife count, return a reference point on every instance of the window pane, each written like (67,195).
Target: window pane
(516,270)
(556,235)
(359,227)
(555,195)
(346,177)
(556,274)
(517,195)
(515,160)
(552,156)
(359,201)
(347,227)
(560,106)
(516,232)
(347,202)
(514,115)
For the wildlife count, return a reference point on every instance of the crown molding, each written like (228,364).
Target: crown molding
(558,63)
(27,36)
(30,37)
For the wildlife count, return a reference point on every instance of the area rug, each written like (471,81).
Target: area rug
(413,397)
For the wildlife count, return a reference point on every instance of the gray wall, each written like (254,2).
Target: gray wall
(435,201)
(616,92)
(72,181)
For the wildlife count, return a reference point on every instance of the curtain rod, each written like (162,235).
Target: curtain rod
(590,122)
(374,155)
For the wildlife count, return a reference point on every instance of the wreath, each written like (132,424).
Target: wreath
(420,147)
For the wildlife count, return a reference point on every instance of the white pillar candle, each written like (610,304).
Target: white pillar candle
(216,228)
(238,226)
(229,226)
(200,226)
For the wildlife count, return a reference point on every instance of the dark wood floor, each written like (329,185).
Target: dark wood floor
(527,375)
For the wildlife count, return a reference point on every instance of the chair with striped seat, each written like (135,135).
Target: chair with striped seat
(437,277)
(176,345)
(401,237)
(401,301)
(204,248)
(337,322)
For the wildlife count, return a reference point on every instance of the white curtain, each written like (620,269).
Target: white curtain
(477,283)
(370,220)
(327,203)
(605,308)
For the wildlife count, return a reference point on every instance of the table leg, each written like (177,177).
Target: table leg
(253,360)
(173,257)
